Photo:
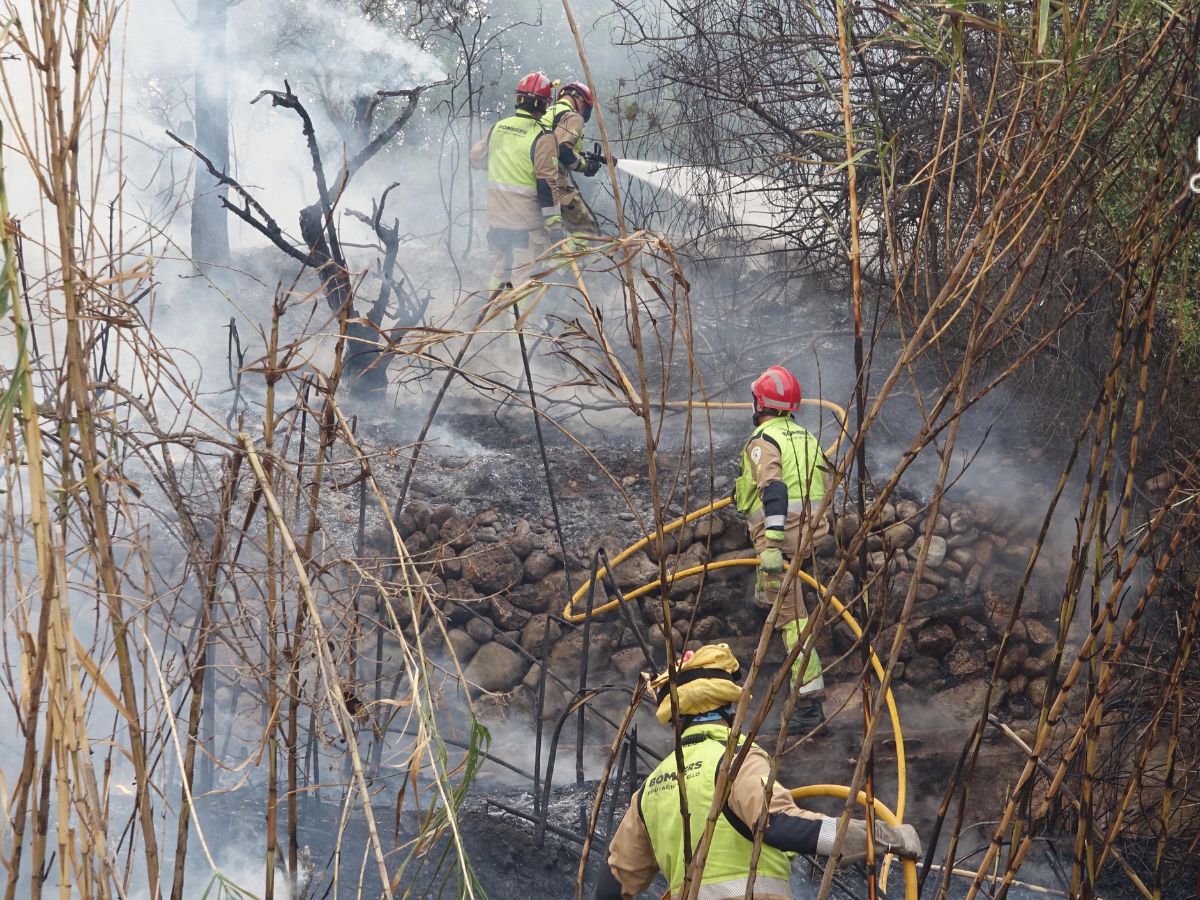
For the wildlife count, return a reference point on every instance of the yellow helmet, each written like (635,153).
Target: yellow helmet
(704,682)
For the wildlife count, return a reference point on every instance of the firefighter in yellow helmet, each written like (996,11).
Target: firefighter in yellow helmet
(521,158)
(781,483)
(650,837)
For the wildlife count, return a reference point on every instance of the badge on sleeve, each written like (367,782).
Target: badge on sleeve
(756,455)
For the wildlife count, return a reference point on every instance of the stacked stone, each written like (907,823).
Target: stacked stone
(495,584)
(501,585)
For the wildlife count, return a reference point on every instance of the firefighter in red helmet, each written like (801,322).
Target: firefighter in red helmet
(781,484)
(521,158)
(566,119)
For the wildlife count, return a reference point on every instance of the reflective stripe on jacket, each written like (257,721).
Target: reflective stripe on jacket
(728,863)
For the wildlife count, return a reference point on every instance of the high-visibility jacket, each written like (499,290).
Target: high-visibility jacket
(567,126)
(727,866)
(780,450)
(521,160)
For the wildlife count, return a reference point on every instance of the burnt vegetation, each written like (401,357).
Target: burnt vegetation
(250,599)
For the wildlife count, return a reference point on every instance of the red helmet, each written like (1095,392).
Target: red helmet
(577,88)
(776,388)
(584,93)
(535,86)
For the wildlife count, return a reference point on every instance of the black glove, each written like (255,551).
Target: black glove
(591,167)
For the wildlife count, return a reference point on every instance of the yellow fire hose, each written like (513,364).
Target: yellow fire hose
(841,792)
(815,790)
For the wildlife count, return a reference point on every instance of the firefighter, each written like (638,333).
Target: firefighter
(650,837)
(520,156)
(566,119)
(782,481)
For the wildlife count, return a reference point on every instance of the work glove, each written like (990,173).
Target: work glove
(591,166)
(902,840)
(770,560)
(770,576)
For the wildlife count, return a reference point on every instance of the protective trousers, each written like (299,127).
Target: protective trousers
(515,253)
(793,617)
(577,218)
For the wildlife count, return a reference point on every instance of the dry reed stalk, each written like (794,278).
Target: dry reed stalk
(853,252)
(416,596)
(1043,735)
(198,674)
(618,741)
(327,435)
(271,375)
(332,685)
(34,648)
(65,102)
(633,323)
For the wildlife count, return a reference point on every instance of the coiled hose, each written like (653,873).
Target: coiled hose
(815,790)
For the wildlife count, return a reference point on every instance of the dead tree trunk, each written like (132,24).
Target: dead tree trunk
(365,364)
(365,367)
(210,227)
(335,280)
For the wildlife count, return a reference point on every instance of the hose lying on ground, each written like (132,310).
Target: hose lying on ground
(876,665)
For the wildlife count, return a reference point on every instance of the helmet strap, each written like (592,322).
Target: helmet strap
(724,714)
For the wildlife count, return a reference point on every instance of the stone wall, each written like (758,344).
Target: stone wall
(503,583)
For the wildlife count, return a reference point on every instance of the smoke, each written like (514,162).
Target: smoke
(238,872)
(330,54)
(751,203)
(340,54)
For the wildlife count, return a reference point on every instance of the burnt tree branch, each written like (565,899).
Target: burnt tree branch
(253,213)
(288,100)
(410,309)
(385,136)
(318,228)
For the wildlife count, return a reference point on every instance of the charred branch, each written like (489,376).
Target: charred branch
(289,100)
(410,308)
(251,211)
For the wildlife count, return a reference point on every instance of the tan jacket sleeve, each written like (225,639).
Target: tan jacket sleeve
(545,172)
(746,795)
(479,151)
(630,856)
(766,463)
(479,155)
(569,130)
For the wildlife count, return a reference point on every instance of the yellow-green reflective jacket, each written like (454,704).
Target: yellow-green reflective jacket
(522,162)
(727,866)
(553,116)
(801,463)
